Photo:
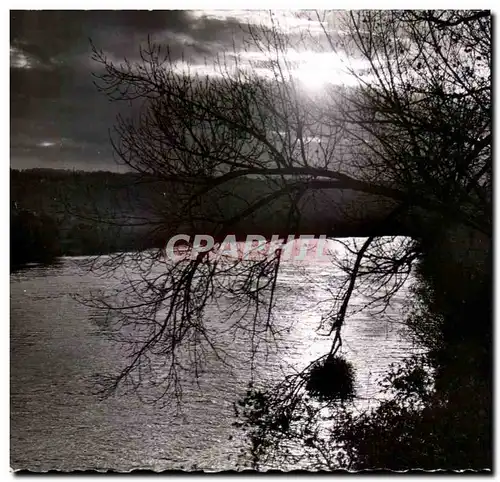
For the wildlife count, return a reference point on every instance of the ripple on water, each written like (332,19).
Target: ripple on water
(57,344)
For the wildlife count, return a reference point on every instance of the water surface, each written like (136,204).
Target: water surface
(57,344)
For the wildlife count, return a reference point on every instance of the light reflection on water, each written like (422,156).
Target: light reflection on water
(57,344)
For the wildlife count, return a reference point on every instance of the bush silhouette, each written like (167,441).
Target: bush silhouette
(33,238)
(331,379)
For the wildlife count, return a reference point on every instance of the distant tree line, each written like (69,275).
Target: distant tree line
(72,213)
(44,224)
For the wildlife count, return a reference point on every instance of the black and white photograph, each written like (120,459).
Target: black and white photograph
(251,241)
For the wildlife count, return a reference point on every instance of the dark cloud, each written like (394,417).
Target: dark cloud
(57,115)
(56,32)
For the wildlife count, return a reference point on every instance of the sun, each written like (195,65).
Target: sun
(317,70)
(315,79)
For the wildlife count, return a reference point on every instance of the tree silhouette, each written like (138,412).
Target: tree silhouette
(33,238)
(409,140)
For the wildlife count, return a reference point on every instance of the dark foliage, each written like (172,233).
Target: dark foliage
(331,379)
(33,238)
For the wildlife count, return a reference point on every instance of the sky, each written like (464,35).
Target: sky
(60,120)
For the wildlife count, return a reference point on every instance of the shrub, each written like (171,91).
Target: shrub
(331,379)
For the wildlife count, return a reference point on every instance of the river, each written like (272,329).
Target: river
(57,345)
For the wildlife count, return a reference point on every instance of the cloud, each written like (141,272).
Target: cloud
(286,20)
(18,59)
(52,95)
(23,59)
